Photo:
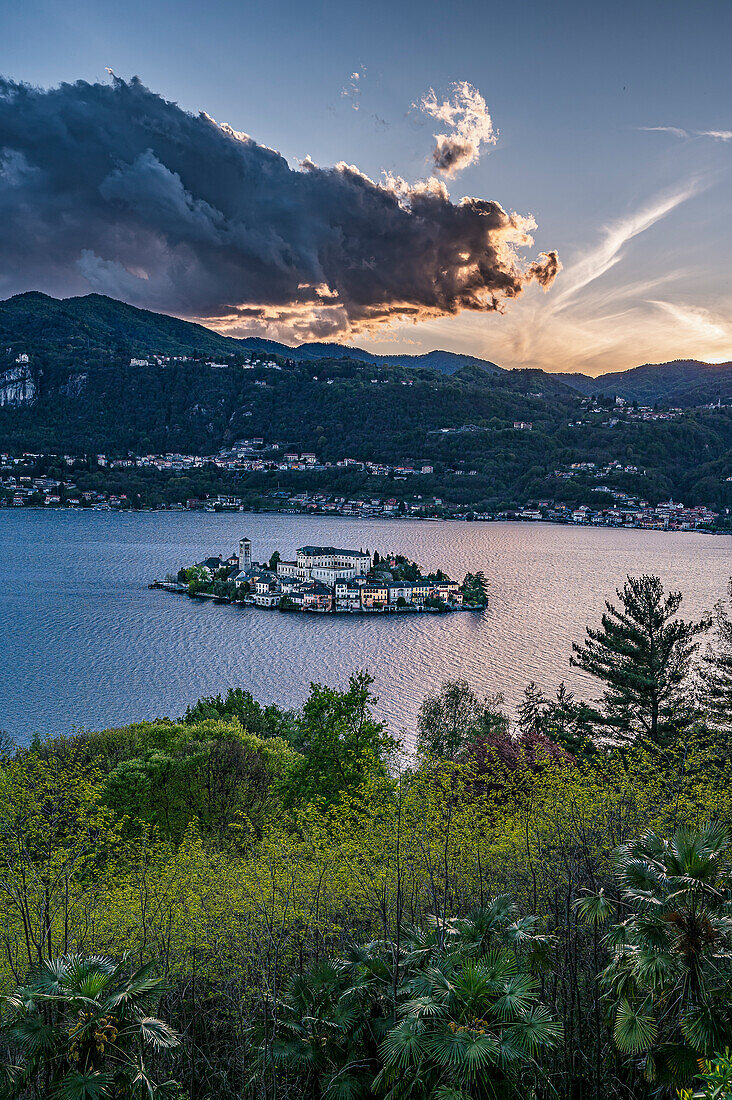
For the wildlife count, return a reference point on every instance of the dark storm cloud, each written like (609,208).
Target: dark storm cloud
(111,187)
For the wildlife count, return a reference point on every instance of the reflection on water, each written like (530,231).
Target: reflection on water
(84,642)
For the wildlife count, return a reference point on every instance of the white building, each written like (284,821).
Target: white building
(326,564)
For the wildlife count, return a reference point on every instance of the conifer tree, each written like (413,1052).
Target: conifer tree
(642,653)
(716,671)
(532,710)
(569,722)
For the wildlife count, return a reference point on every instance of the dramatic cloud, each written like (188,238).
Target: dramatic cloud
(470,126)
(111,187)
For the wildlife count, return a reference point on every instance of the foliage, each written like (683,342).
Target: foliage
(716,673)
(244,847)
(212,773)
(340,741)
(474,589)
(268,721)
(448,720)
(669,979)
(450,1009)
(716,1080)
(81,1027)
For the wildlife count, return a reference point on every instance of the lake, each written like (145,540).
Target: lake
(85,643)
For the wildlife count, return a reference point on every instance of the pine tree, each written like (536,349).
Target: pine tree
(716,671)
(532,711)
(474,588)
(642,652)
(569,723)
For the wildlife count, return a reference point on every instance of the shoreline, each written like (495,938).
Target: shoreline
(376,518)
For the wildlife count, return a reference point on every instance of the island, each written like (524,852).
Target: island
(326,579)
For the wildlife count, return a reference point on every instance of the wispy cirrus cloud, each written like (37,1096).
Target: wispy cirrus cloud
(700,322)
(599,317)
(677,131)
(599,258)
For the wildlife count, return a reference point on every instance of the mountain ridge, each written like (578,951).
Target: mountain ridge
(100,322)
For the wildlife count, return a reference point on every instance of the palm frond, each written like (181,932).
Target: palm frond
(157,1033)
(635,1028)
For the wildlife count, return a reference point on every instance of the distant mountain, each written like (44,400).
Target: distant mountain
(447,362)
(80,376)
(682,382)
(100,323)
(583,383)
(95,323)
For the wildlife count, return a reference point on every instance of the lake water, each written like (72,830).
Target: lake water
(85,643)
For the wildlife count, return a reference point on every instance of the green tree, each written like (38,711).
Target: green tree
(267,721)
(642,653)
(197,579)
(569,722)
(212,774)
(340,741)
(475,588)
(81,1028)
(533,711)
(448,720)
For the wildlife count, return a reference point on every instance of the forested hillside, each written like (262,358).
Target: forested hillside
(80,394)
(41,324)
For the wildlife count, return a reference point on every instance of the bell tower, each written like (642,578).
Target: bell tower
(245,554)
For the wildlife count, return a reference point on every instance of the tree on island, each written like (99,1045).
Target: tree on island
(474,588)
(642,653)
(197,579)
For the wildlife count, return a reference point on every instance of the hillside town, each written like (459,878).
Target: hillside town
(624,509)
(327,579)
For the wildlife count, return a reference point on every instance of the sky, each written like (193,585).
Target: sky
(537,184)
